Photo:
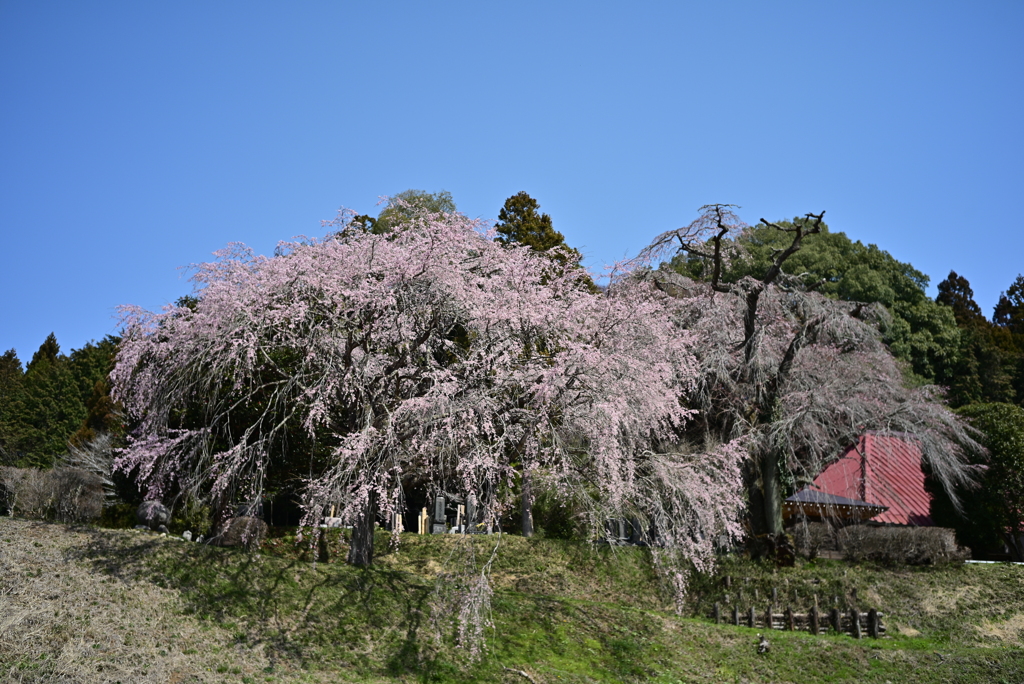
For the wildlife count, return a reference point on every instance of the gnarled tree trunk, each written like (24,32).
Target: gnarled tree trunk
(360,553)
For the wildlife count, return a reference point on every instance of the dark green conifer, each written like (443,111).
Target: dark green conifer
(519,221)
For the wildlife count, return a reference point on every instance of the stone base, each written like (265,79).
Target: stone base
(438,528)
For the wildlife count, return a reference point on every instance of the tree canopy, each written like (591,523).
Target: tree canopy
(402,207)
(42,407)
(989,360)
(918,331)
(520,221)
(431,351)
(1009,312)
(993,514)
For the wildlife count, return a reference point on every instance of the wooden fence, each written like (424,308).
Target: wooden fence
(851,621)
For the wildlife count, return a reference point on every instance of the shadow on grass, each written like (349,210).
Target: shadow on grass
(322,615)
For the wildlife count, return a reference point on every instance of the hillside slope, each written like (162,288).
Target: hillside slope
(91,605)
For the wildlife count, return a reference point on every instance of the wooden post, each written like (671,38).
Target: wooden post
(736,615)
(835,620)
(873,623)
(814,620)
(768,622)
(775,595)
(855,627)
(717,614)
(728,581)
(752,617)
(790,620)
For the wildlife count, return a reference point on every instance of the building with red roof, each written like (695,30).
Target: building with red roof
(881,471)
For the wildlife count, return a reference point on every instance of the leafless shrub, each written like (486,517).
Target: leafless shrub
(96,457)
(63,494)
(11,482)
(884,544)
(909,545)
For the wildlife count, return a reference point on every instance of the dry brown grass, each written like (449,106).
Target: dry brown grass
(1008,632)
(61,620)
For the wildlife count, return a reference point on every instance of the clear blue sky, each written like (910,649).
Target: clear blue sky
(138,137)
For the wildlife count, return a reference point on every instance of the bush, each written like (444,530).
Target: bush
(882,544)
(65,495)
(192,516)
(900,545)
(119,516)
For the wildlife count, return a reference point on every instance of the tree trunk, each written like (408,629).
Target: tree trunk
(765,504)
(323,551)
(360,553)
(527,505)
(772,494)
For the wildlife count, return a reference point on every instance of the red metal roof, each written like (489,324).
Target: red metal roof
(881,470)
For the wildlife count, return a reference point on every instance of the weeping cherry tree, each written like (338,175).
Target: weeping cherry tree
(793,374)
(431,350)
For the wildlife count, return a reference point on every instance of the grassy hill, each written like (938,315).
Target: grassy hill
(93,605)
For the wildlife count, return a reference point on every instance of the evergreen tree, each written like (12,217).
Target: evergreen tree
(48,353)
(50,408)
(92,365)
(56,398)
(10,393)
(1009,320)
(956,292)
(1009,312)
(519,221)
(988,362)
